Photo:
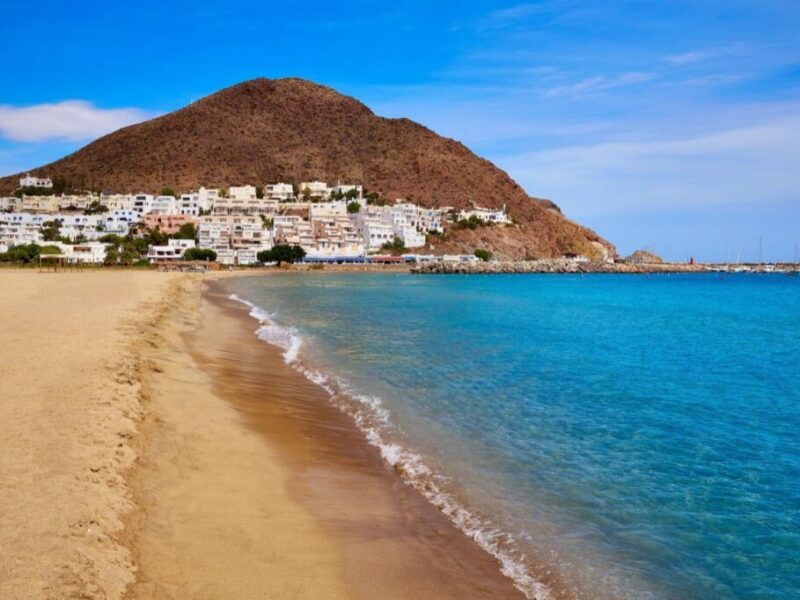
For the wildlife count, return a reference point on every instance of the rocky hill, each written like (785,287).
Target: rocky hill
(294,130)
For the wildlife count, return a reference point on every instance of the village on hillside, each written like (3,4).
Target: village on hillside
(330,223)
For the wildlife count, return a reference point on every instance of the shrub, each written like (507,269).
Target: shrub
(187,231)
(353,207)
(205,254)
(483,254)
(281,253)
(395,245)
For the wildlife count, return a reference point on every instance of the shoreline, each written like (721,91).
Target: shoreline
(365,533)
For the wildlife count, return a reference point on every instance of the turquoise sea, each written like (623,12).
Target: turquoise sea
(620,436)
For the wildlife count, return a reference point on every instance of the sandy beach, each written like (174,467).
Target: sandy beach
(70,404)
(152,447)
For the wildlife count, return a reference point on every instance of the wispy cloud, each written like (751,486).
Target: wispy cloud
(731,165)
(599,83)
(73,120)
(688,57)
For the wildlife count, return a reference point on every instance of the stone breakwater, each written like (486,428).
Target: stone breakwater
(553,266)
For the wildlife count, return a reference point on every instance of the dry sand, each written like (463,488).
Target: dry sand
(151,447)
(69,404)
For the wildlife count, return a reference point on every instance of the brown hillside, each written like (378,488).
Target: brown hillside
(291,130)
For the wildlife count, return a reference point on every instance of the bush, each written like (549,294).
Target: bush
(395,245)
(353,207)
(21,254)
(168,191)
(33,191)
(95,207)
(472,223)
(205,254)
(187,231)
(281,253)
(483,254)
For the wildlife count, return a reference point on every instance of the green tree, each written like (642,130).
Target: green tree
(95,207)
(168,191)
(396,246)
(205,254)
(472,223)
(259,192)
(483,254)
(21,254)
(282,253)
(353,207)
(51,231)
(374,198)
(187,231)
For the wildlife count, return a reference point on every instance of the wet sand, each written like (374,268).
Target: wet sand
(253,485)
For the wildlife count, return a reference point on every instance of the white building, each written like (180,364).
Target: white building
(232,232)
(9,204)
(242,192)
(315,189)
(246,206)
(352,189)
(174,250)
(375,230)
(497,216)
(117,201)
(226,256)
(35,182)
(85,253)
(282,192)
(163,205)
(197,203)
(143,204)
(327,210)
(247,256)
(119,221)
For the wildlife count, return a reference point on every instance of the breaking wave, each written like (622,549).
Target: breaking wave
(373,420)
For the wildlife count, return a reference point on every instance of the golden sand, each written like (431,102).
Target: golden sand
(69,406)
(152,447)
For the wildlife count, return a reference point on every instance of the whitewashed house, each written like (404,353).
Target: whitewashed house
(35,182)
(174,250)
(497,216)
(315,189)
(164,206)
(143,204)
(282,192)
(197,203)
(242,192)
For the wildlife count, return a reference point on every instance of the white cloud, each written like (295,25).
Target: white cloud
(688,57)
(72,120)
(599,83)
(757,163)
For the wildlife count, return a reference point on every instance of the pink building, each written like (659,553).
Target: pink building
(167,223)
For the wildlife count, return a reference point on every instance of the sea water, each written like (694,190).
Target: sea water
(615,436)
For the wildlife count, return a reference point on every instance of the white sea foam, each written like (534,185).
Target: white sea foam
(287,338)
(373,420)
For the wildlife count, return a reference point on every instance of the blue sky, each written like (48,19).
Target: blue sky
(673,126)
